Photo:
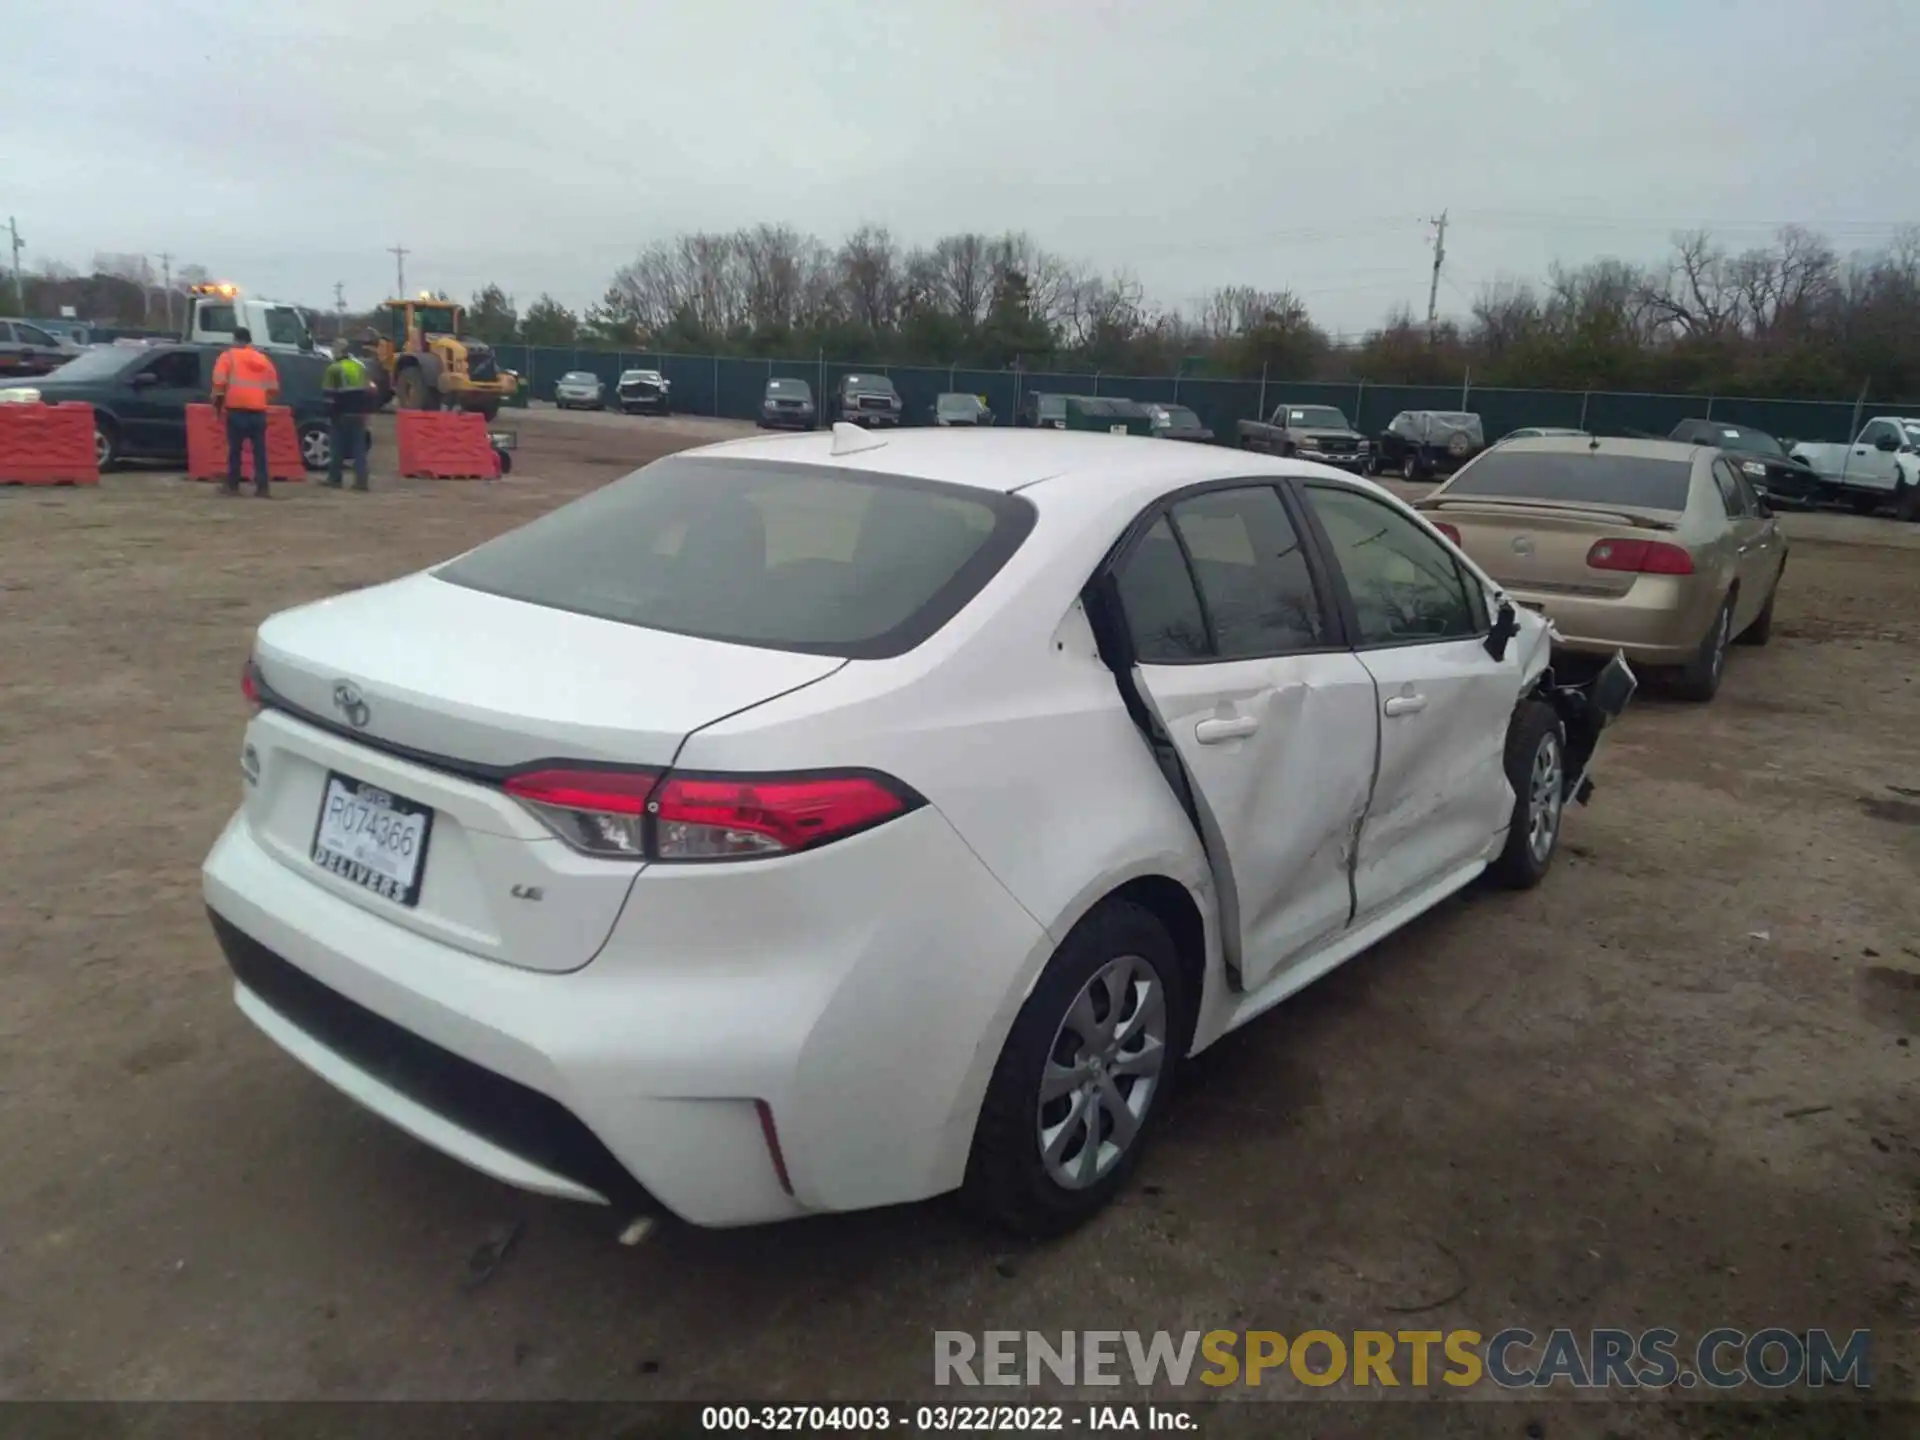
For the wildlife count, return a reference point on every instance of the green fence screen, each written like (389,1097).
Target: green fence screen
(732,387)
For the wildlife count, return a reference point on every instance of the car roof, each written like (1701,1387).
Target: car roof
(1007,460)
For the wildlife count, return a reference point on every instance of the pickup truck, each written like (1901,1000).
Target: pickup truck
(1881,466)
(1308,432)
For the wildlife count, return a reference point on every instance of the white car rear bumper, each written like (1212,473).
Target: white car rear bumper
(861,991)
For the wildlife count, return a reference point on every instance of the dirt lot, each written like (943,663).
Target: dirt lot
(1673,1086)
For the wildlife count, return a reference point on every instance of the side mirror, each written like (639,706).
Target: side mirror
(1887,443)
(1506,625)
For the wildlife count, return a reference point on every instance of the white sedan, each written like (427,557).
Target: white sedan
(809,823)
(579,390)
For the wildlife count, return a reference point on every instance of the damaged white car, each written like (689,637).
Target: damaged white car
(813,823)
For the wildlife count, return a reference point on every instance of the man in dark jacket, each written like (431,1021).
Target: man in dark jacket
(349,397)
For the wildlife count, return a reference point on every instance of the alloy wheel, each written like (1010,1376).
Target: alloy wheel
(102,448)
(316,449)
(1102,1072)
(1545,798)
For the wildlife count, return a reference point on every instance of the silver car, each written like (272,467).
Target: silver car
(580,390)
(26,348)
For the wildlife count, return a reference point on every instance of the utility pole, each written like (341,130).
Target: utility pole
(166,284)
(19,294)
(1433,290)
(399,253)
(340,309)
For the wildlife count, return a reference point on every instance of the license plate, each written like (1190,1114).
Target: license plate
(504,439)
(372,838)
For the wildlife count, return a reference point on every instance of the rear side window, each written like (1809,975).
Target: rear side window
(217,319)
(789,557)
(1161,605)
(1252,573)
(1581,477)
(1222,578)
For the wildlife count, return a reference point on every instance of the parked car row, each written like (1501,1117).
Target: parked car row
(636,392)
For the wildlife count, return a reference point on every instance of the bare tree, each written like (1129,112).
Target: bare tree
(959,274)
(870,276)
(1505,315)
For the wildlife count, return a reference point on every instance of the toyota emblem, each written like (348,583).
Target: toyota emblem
(348,700)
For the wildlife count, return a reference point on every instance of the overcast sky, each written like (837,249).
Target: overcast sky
(1199,143)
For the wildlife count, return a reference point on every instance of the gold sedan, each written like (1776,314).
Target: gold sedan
(1662,550)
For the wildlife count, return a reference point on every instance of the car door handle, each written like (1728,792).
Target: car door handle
(1212,732)
(1405,705)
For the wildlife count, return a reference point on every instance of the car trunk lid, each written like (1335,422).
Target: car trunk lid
(394,715)
(1543,547)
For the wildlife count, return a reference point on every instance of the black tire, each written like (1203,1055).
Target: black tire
(1907,507)
(106,442)
(1007,1181)
(1529,850)
(1761,630)
(506,461)
(1863,504)
(1410,467)
(411,391)
(1699,679)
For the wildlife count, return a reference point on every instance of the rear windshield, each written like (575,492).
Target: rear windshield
(957,405)
(1584,477)
(1053,407)
(789,557)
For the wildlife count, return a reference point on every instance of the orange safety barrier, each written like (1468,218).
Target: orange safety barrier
(207,446)
(445,445)
(48,445)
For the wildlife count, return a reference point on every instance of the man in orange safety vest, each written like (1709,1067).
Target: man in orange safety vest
(244,385)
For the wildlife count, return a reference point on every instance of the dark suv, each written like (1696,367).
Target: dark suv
(140,395)
(864,400)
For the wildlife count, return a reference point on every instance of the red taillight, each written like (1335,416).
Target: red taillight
(1447,530)
(635,814)
(250,684)
(727,817)
(616,792)
(601,812)
(1643,557)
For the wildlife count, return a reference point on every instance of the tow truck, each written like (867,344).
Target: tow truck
(217,308)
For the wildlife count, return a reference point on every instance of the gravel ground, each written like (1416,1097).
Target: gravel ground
(1672,1086)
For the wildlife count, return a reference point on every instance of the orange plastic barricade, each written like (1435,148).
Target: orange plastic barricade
(48,445)
(445,445)
(207,446)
